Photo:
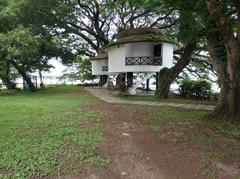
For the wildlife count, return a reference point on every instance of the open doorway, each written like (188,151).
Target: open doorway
(158,50)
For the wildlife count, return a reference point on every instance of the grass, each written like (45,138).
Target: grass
(170,100)
(207,171)
(52,133)
(48,133)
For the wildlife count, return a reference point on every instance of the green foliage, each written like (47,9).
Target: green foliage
(81,69)
(195,88)
(19,44)
(25,42)
(6,92)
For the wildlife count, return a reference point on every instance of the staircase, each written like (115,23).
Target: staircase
(132,90)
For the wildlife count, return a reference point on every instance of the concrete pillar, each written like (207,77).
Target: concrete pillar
(103,80)
(147,85)
(157,80)
(129,79)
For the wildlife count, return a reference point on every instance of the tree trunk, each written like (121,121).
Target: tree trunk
(8,83)
(232,46)
(121,83)
(24,75)
(6,79)
(120,80)
(165,80)
(167,76)
(227,105)
(41,78)
(218,58)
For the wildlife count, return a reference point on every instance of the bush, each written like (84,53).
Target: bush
(7,92)
(89,84)
(200,89)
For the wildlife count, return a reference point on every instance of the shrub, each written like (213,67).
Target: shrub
(7,92)
(185,87)
(200,89)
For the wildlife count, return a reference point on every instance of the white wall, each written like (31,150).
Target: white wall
(97,67)
(117,54)
(116,59)
(167,54)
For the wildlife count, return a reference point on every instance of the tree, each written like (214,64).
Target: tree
(188,33)
(25,43)
(6,76)
(19,46)
(219,23)
(227,36)
(79,70)
(167,76)
(92,24)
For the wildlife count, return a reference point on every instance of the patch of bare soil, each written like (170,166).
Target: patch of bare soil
(80,92)
(135,152)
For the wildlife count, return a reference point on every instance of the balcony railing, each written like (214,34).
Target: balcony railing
(104,68)
(155,61)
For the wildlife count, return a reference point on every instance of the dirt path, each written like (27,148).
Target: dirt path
(134,151)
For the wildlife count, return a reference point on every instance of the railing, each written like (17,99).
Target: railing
(104,68)
(156,61)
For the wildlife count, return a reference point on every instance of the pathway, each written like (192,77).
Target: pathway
(107,96)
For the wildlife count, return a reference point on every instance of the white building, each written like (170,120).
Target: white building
(100,64)
(142,50)
(100,67)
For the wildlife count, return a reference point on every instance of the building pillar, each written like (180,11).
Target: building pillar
(147,85)
(129,79)
(103,79)
(100,81)
(157,81)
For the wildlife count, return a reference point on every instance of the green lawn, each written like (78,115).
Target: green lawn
(45,133)
(170,100)
(55,133)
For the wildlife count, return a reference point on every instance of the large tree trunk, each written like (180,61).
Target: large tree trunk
(233,57)
(218,58)
(121,83)
(167,76)
(24,75)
